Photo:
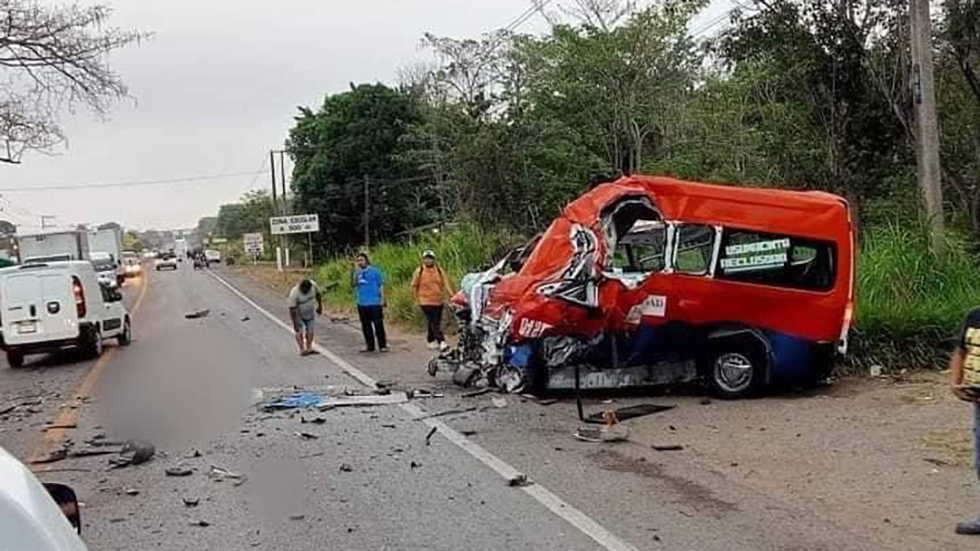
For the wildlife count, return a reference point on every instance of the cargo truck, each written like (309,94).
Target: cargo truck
(53,246)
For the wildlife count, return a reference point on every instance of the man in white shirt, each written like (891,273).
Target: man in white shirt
(305,303)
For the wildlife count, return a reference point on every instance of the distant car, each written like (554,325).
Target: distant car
(49,307)
(212,257)
(167,261)
(149,255)
(106,268)
(131,264)
(41,517)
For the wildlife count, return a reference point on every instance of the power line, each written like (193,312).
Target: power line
(185,180)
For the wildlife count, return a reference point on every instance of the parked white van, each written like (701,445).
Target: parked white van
(48,307)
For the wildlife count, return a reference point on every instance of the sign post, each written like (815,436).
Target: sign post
(299,223)
(254,246)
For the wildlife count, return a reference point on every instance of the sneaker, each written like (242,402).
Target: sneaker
(384,350)
(443,346)
(969,528)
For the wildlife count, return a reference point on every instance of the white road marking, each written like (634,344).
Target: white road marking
(581,521)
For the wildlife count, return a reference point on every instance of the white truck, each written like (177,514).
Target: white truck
(107,240)
(181,248)
(53,246)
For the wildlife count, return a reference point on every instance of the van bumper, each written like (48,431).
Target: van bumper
(41,347)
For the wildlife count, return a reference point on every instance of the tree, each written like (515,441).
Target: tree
(250,215)
(132,242)
(356,135)
(53,58)
(206,226)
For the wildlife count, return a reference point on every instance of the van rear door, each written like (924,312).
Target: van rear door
(38,306)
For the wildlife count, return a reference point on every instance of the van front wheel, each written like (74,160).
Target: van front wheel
(736,370)
(126,337)
(94,346)
(15,358)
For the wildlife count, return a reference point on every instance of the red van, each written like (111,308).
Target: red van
(651,280)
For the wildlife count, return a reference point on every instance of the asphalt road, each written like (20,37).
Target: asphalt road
(366,478)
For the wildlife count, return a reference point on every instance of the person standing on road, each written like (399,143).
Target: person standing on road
(964,369)
(368,283)
(305,303)
(431,288)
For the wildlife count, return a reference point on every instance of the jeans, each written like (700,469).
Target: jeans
(373,326)
(433,314)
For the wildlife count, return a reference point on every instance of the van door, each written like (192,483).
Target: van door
(38,307)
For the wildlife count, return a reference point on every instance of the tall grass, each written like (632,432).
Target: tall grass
(910,300)
(460,251)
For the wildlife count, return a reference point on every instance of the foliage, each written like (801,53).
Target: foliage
(356,137)
(207,226)
(132,242)
(55,57)
(250,215)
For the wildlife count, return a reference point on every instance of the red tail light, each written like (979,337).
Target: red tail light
(79,296)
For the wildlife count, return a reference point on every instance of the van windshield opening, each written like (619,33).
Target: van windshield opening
(637,238)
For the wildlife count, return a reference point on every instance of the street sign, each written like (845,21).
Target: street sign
(300,223)
(253,243)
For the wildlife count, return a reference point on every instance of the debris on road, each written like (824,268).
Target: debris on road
(630,412)
(519,480)
(420,394)
(345,468)
(668,447)
(132,492)
(297,517)
(876,371)
(414,465)
(499,402)
(89,452)
(218,474)
(476,393)
(191,501)
(428,437)
(133,452)
(609,433)
(197,314)
(306,435)
(453,411)
(246,318)
(313,421)
(201,523)
(52,457)
(179,471)
(298,400)
(324,400)
(369,400)
(62,426)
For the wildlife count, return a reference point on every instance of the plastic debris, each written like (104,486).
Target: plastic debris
(428,437)
(197,314)
(191,501)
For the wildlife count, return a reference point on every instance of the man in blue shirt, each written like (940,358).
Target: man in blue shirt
(368,283)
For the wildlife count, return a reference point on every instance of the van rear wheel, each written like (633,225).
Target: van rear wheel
(94,345)
(15,358)
(126,337)
(736,369)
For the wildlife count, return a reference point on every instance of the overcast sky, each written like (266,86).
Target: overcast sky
(216,88)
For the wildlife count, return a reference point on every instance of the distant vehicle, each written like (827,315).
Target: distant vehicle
(107,240)
(168,261)
(149,255)
(107,269)
(54,246)
(647,281)
(181,248)
(48,307)
(36,516)
(131,264)
(212,256)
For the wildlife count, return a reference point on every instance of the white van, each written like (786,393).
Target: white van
(48,307)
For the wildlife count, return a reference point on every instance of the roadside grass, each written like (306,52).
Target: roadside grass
(910,300)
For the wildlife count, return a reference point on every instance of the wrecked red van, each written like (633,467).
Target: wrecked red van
(651,280)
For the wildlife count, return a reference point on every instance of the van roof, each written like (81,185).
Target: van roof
(63,265)
(804,213)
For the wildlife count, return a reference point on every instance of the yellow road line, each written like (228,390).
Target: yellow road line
(54,437)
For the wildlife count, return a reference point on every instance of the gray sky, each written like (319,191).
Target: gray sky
(217,87)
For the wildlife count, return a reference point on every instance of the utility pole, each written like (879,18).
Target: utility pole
(367,213)
(272,167)
(928,171)
(282,179)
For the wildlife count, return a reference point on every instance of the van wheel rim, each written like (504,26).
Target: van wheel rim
(98,343)
(733,372)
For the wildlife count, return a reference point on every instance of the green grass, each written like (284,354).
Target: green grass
(459,252)
(910,301)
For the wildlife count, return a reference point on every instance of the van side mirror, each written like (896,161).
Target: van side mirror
(67,501)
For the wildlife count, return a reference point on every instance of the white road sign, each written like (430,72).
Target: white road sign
(300,223)
(253,243)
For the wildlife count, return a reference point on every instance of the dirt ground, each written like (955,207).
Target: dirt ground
(890,456)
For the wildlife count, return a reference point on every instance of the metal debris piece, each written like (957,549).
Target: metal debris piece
(246,318)
(476,393)
(93,452)
(132,492)
(197,314)
(345,468)
(179,471)
(428,437)
(218,474)
(201,523)
(62,426)
(453,411)
(519,481)
(306,435)
(414,465)
(629,412)
(668,448)
(609,433)
(368,400)
(52,457)
(191,501)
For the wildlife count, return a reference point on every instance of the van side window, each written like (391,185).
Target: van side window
(694,249)
(777,260)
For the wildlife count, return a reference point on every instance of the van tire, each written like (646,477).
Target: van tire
(736,368)
(126,337)
(15,358)
(93,344)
